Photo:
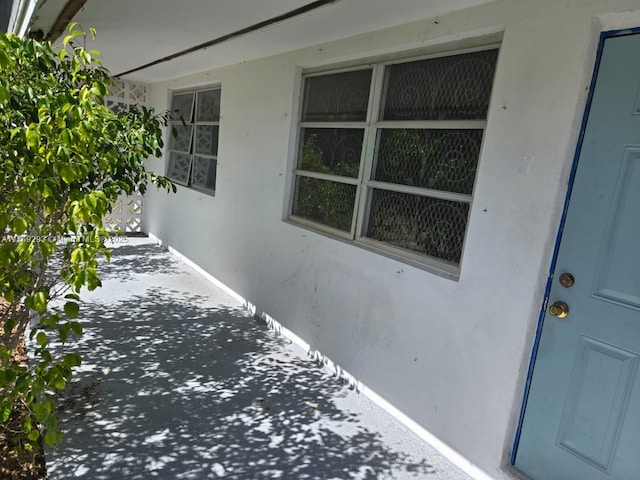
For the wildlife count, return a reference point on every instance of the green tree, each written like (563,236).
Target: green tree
(64,159)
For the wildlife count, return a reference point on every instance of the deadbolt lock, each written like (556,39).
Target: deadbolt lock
(566,280)
(559,309)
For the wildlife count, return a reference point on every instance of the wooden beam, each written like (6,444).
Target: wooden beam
(66,15)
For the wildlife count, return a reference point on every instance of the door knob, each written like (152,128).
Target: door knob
(559,309)
(566,280)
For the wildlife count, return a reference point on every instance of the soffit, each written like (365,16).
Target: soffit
(132,33)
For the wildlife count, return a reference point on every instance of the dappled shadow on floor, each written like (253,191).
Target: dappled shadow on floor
(128,259)
(172,388)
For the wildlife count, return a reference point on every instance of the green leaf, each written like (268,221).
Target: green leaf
(71,36)
(93,281)
(4,59)
(19,225)
(46,356)
(40,302)
(10,375)
(33,435)
(68,174)
(10,323)
(42,339)
(33,138)
(72,360)
(42,411)
(5,220)
(84,214)
(30,47)
(22,383)
(76,328)
(91,201)
(4,93)
(58,383)
(50,439)
(5,412)
(77,255)
(47,248)
(50,321)
(71,309)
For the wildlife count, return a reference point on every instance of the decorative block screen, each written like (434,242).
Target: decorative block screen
(126,213)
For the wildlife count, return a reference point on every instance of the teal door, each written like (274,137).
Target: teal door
(582,417)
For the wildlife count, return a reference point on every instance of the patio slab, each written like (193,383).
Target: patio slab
(179,382)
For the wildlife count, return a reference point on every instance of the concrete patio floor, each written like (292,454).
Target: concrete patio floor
(179,382)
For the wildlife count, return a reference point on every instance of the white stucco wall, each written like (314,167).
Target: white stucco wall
(451,355)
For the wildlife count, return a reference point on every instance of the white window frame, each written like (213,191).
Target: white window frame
(194,122)
(364,184)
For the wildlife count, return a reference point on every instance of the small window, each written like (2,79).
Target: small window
(388,154)
(193,142)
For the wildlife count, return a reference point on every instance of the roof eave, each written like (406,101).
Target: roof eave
(21,14)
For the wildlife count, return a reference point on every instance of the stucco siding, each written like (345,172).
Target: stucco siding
(452,355)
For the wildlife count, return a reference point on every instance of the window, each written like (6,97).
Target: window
(193,143)
(388,154)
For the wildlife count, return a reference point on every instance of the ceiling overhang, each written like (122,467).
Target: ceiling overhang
(155,40)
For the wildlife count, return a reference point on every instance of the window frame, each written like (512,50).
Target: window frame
(194,122)
(297,172)
(365,185)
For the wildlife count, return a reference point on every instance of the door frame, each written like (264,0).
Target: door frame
(572,174)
